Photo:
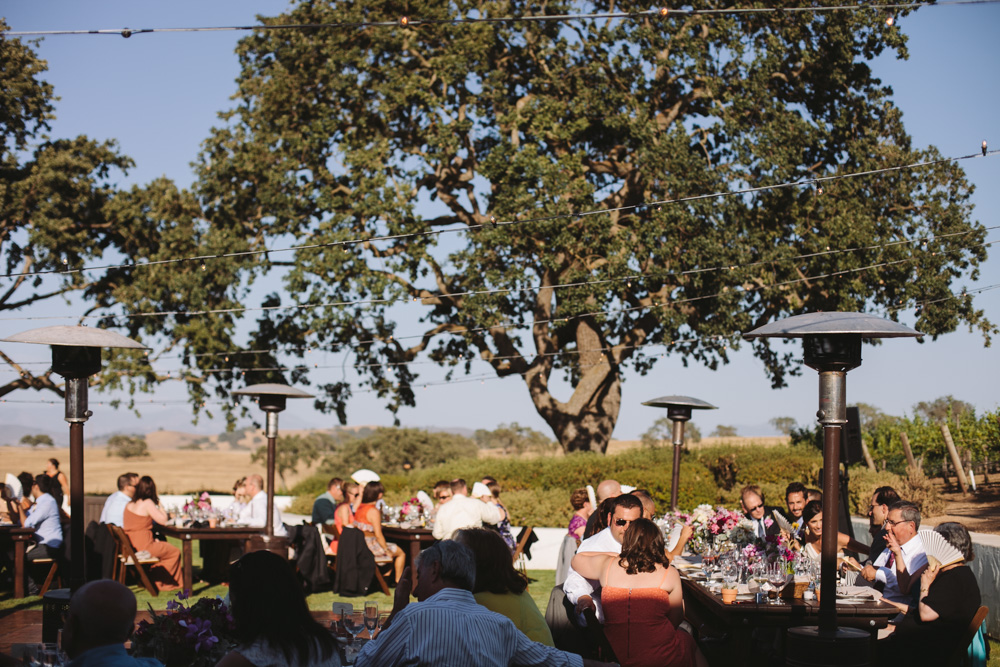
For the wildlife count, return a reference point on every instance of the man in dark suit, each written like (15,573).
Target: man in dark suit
(795,500)
(760,514)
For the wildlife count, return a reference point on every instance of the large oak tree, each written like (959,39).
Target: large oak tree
(472,149)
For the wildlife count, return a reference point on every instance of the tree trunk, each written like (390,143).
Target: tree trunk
(586,421)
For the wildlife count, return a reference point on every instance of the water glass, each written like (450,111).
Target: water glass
(371,617)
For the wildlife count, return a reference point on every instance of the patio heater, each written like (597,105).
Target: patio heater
(271,398)
(832,345)
(679,411)
(76,355)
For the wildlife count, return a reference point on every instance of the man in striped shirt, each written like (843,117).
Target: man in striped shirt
(447,626)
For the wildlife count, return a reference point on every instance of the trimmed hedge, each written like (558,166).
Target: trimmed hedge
(536,491)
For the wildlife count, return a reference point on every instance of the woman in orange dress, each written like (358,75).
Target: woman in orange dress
(642,600)
(368,519)
(138,518)
(343,515)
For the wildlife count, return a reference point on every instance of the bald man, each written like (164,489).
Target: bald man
(254,514)
(101,619)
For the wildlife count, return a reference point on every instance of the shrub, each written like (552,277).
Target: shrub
(914,487)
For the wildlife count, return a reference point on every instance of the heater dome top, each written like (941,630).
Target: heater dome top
(832,323)
(680,402)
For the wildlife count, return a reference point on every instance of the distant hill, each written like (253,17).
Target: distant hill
(11,434)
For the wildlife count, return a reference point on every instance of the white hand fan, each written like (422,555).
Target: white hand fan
(591,497)
(938,549)
(783,522)
(14,487)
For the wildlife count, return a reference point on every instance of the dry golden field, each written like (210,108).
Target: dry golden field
(218,465)
(177,471)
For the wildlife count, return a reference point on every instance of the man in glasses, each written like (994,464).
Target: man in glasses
(757,512)
(585,593)
(878,512)
(901,563)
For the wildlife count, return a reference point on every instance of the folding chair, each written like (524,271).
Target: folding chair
(962,646)
(126,556)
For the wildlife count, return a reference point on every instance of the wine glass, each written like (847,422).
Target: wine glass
(383,618)
(354,622)
(776,577)
(371,617)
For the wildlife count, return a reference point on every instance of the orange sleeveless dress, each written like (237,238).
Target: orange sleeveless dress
(167,574)
(636,625)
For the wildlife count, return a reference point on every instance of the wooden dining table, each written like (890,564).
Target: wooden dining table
(188,535)
(414,540)
(739,619)
(20,537)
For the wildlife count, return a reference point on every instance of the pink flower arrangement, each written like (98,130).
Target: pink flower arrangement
(204,502)
(412,506)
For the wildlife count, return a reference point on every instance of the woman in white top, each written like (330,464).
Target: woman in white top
(812,534)
(273,625)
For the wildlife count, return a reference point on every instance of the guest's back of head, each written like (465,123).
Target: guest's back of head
(101,613)
(494,567)
(268,604)
(643,547)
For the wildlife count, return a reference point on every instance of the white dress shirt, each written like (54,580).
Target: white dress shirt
(914,557)
(114,509)
(254,514)
(450,628)
(576,586)
(463,512)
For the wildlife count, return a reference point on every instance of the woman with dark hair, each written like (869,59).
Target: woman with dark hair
(501,588)
(949,598)
(137,520)
(812,534)
(582,509)
(60,489)
(642,600)
(604,510)
(273,625)
(368,519)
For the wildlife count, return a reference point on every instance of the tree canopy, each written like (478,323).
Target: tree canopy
(450,166)
(517,183)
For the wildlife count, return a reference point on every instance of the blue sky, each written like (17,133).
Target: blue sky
(158,96)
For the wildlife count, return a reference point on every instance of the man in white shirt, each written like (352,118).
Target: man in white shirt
(255,512)
(902,562)
(463,512)
(114,506)
(585,593)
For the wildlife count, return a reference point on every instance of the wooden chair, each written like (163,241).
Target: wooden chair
(53,564)
(519,550)
(962,646)
(125,556)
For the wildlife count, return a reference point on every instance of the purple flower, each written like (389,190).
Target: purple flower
(183,595)
(173,604)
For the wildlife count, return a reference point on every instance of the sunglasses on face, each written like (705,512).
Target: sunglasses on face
(444,497)
(755,508)
(622,522)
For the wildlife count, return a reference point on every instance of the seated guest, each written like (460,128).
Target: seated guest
(814,494)
(138,519)
(606,490)
(100,620)
(795,500)
(598,521)
(463,512)
(344,516)
(812,535)
(325,506)
(585,592)
(114,506)
(44,518)
(762,517)
(649,510)
(949,598)
(274,627)
(878,512)
(14,498)
(240,499)
(643,600)
(501,588)
(582,509)
(255,513)
(491,494)
(901,563)
(368,519)
(447,626)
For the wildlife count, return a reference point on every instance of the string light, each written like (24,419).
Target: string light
(546,18)
(132,264)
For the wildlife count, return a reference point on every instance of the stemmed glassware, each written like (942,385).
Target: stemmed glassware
(383,618)
(354,622)
(776,577)
(371,617)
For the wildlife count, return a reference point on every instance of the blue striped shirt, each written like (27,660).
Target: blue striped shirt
(44,518)
(449,629)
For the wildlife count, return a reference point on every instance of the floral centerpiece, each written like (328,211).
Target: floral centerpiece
(412,507)
(773,548)
(202,502)
(198,635)
(715,527)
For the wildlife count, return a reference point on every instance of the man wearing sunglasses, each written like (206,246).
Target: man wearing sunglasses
(585,593)
(758,513)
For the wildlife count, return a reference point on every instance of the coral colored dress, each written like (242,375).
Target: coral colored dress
(639,631)
(167,574)
(369,531)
